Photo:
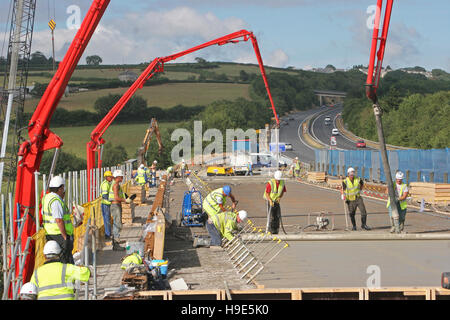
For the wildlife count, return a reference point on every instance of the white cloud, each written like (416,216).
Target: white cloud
(138,37)
(278,58)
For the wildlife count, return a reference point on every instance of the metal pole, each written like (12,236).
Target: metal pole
(69,191)
(86,257)
(387,169)
(11,82)
(94,257)
(19,280)
(4,243)
(36,195)
(14,244)
(44,185)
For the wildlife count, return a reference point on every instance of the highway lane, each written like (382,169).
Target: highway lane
(291,133)
(322,132)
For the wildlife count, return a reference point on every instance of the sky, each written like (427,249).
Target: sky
(299,33)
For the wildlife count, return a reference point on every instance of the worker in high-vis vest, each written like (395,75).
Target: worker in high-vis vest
(57,221)
(117,197)
(151,174)
(227,222)
(214,202)
(183,168)
(106,204)
(56,280)
(133,259)
(351,194)
(296,168)
(141,176)
(401,193)
(275,190)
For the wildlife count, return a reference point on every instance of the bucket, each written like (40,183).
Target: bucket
(132,247)
(162,264)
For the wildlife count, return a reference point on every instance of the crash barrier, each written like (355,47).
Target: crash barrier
(400,293)
(76,194)
(249,257)
(417,165)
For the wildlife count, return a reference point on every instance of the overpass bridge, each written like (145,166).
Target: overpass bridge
(329,94)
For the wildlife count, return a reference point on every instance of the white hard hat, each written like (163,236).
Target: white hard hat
(277,175)
(296,158)
(350,170)
(141,166)
(399,175)
(117,173)
(182,160)
(242,215)
(57,182)
(28,288)
(52,248)
(155,161)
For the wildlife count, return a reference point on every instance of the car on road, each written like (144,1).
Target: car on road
(335,132)
(288,146)
(327,121)
(291,119)
(360,144)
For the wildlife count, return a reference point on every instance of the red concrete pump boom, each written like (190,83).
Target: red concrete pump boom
(157,65)
(378,42)
(41,138)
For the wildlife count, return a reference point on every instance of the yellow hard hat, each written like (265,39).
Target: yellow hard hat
(108,174)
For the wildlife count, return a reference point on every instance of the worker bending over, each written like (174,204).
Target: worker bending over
(106,204)
(54,279)
(223,225)
(214,202)
(401,193)
(56,218)
(351,194)
(275,189)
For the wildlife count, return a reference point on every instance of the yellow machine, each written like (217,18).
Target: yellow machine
(219,171)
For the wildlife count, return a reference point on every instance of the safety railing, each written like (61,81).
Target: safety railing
(76,194)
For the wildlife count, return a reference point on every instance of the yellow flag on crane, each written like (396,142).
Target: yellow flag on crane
(52,24)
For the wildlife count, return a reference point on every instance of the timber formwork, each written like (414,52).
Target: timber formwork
(403,293)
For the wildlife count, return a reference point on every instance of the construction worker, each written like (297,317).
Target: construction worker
(56,218)
(401,193)
(249,169)
(130,260)
(54,279)
(296,168)
(351,194)
(169,172)
(117,197)
(222,226)
(106,204)
(275,190)
(28,291)
(141,175)
(214,202)
(152,175)
(227,222)
(183,168)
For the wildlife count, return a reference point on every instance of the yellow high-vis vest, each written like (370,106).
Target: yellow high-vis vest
(50,225)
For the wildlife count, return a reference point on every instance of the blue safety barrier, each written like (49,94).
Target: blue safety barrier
(427,162)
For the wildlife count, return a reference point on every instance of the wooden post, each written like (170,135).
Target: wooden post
(418,176)
(407,176)
(363,172)
(445,177)
(332,169)
(356,171)
(431,176)
(371,174)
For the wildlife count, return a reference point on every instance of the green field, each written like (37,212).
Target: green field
(164,96)
(128,135)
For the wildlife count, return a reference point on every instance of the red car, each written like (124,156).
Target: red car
(360,144)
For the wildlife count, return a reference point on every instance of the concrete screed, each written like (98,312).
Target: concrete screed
(305,264)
